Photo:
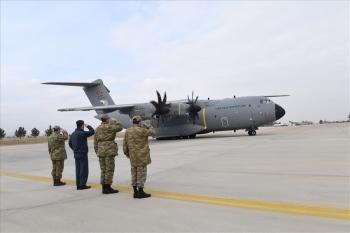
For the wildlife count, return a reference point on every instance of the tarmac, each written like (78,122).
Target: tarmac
(284,179)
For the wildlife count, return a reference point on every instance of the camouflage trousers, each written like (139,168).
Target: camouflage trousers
(57,169)
(107,169)
(138,176)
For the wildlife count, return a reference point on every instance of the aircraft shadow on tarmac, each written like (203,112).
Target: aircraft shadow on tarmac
(201,137)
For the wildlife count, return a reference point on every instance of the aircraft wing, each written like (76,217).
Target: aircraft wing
(275,95)
(73,84)
(108,107)
(177,101)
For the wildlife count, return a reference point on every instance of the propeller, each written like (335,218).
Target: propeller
(161,107)
(193,109)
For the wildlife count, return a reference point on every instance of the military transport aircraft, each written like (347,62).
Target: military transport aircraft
(183,118)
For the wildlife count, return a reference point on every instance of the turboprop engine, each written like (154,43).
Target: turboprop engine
(146,111)
(178,109)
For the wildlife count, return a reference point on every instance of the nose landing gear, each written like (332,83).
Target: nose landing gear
(251,131)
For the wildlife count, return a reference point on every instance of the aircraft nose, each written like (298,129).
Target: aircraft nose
(279,111)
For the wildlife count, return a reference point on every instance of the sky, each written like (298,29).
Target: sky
(216,48)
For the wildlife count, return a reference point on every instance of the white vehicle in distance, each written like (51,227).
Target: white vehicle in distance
(280,124)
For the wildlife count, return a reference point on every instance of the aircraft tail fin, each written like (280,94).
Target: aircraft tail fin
(96,91)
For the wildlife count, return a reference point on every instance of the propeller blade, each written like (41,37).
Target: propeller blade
(164,99)
(197,116)
(162,120)
(155,104)
(193,109)
(159,98)
(196,100)
(152,116)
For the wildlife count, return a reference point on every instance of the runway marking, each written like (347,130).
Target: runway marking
(314,211)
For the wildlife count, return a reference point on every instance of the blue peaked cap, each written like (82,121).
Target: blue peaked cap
(79,123)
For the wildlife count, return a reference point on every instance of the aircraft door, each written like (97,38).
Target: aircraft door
(224,122)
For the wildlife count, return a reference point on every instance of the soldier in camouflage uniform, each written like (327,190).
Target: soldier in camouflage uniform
(136,148)
(106,149)
(58,153)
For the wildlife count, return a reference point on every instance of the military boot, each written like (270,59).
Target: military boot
(59,183)
(62,183)
(104,189)
(142,194)
(136,192)
(54,182)
(109,189)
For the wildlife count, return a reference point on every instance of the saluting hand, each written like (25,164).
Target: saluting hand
(86,125)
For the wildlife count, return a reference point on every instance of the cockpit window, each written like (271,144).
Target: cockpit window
(266,101)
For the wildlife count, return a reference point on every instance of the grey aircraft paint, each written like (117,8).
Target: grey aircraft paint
(246,113)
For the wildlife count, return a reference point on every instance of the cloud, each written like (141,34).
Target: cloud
(26,83)
(218,49)
(157,82)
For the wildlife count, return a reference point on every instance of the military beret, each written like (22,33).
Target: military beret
(136,119)
(104,117)
(56,127)
(80,123)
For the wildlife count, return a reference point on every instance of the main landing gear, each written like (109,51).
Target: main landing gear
(178,137)
(251,132)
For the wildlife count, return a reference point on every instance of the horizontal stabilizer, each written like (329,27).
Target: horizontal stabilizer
(275,95)
(108,107)
(73,84)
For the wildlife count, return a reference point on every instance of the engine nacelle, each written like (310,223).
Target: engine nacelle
(178,110)
(145,111)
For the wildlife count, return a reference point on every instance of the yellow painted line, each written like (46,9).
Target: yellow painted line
(315,211)
(204,120)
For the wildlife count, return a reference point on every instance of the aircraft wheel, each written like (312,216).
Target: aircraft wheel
(192,136)
(184,137)
(252,133)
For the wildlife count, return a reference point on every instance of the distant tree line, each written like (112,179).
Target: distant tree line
(49,131)
(21,132)
(2,133)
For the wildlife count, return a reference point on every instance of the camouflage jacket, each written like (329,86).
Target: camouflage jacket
(104,143)
(57,148)
(135,145)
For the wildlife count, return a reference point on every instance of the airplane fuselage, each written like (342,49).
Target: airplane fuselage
(183,118)
(215,115)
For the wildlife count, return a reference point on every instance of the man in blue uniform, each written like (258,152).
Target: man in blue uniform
(78,143)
